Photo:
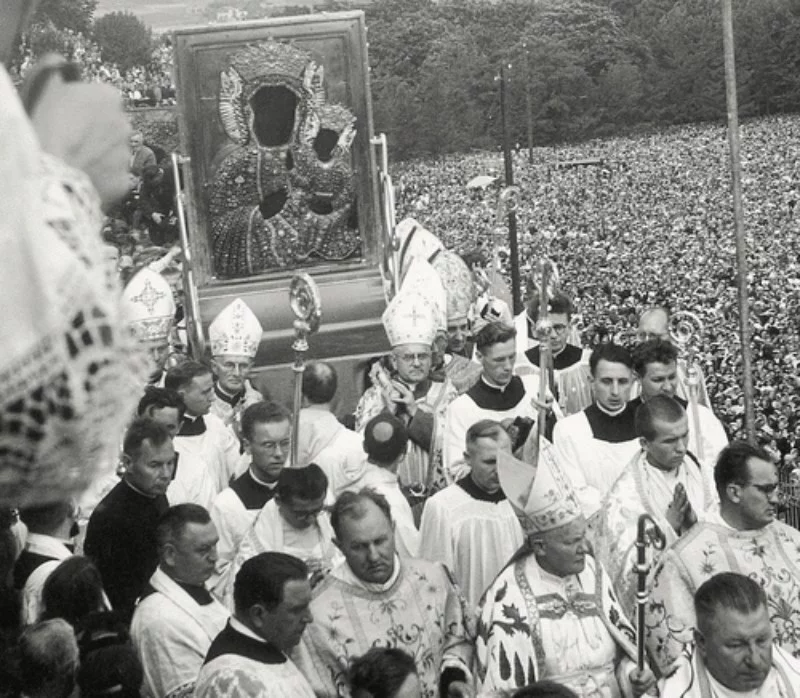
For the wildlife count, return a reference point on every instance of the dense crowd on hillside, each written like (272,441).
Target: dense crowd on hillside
(654,224)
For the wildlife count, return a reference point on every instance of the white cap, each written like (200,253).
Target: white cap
(415,243)
(421,279)
(410,319)
(236,330)
(148,306)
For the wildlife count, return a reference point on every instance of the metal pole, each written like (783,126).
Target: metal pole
(738,216)
(516,296)
(528,104)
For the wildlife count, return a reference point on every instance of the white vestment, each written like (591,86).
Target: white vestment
(473,534)
(230,410)
(592,449)
(32,592)
(218,448)
(193,483)
(171,634)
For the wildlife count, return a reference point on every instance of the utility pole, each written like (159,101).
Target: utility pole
(516,295)
(528,102)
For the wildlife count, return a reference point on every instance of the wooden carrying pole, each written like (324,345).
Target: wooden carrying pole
(738,216)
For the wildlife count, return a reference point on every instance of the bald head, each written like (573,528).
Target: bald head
(319,383)
(653,323)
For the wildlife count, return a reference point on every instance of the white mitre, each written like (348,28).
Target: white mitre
(236,330)
(421,279)
(148,306)
(415,243)
(542,496)
(410,319)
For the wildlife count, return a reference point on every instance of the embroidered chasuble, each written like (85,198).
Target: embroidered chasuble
(693,680)
(171,632)
(571,374)
(643,489)
(472,532)
(241,665)
(419,610)
(769,555)
(533,626)
(229,408)
(461,372)
(425,430)
(593,447)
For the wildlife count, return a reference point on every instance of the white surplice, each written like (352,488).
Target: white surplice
(218,448)
(193,483)
(48,546)
(473,537)
(171,634)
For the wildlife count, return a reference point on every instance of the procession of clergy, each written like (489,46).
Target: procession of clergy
(441,526)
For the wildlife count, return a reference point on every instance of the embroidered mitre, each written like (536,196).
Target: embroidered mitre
(236,330)
(458,283)
(421,279)
(410,319)
(148,306)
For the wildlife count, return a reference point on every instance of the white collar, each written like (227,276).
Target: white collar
(263,483)
(346,574)
(241,628)
(494,386)
(608,412)
(49,546)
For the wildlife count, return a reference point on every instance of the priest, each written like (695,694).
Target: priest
(744,537)
(249,657)
(662,480)
(552,613)
(594,445)
(234,336)
(470,526)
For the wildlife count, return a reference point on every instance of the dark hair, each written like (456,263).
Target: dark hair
(175,519)
(653,351)
(73,590)
(159,398)
(262,413)
(727,590)
(380,672)
(613,353)
(319,382)
(732,464)
(558,304)
(141,429)
(493,333)
(111,671)
(658,407)
(351,505)
(544,689)
(385,438)
(483,429)
(182,375)
(46,656)
(308,482)
(262,578)
(46,517)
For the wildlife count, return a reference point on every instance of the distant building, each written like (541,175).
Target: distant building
(225,15)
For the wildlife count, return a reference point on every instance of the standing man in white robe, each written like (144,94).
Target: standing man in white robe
(734,653)
(176,618)
(266,434)
(499,394)
(594,446)
(249,657)
(234,336)
(662,480)
(374,598)
(470,526)
(203,434)
(293,522)
(745,538)
(655,363)
(552,613)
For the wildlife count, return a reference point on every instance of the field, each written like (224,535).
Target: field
(160,15)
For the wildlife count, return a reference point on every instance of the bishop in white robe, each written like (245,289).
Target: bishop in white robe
(229,408)
(172,629)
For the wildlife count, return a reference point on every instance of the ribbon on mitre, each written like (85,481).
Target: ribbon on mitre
(542,495)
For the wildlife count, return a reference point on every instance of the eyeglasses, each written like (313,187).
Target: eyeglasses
(412,358)
(230,367)
(273,445)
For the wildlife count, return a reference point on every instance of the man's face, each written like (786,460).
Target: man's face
(498,362)
(269,448)
(659,379)
(198,395)
(193,556)
(152,471)
(412,362)
(300,513)
(758,499)
(653,325)
(168,416)
(737,648)
(368,545)
(457,335)
(559,329)
(159,353)
(136,142)
(562,552)
(667,449)
(231,371)
(611,385)
(481,456)
(290,617)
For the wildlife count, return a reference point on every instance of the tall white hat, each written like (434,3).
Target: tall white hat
(148,306)
(422,279)
(415,243)
(458,282)
(410,319)
(236,330)
(541,496)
